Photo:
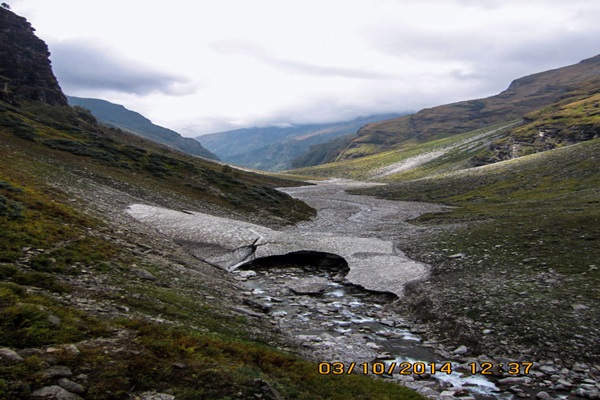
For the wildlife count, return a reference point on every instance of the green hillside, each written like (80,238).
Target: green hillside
(118,116)
(518,252)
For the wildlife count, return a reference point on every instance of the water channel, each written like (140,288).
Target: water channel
(349,329)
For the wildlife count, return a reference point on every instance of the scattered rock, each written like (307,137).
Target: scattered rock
(247,274)
(279,314)
(543,396)
(548,369)
(257,305)
(577,367)
(54,320)
(457,255)
(9,356)
(309,286)
(579,307)
(515,380)
(153,395)
(461,350)
(71,386)
(58,371)
(448,393)
(593,394)
(564,383)
(71,348)
(247,312)
(54,393)
(143,274)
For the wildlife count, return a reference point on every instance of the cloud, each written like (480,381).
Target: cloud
(83,66)
(240,47)
(315,109)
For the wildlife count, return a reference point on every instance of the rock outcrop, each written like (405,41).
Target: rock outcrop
(25,68)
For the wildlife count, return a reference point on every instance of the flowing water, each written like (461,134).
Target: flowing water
(354,328)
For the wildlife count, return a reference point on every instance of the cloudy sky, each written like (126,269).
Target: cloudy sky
(205,66)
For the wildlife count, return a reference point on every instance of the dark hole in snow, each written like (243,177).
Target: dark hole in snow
(310,261)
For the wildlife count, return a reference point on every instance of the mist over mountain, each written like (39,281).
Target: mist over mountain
(275,148)
(120,117)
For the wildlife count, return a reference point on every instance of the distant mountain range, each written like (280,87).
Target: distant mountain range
(276,148)
(120,117)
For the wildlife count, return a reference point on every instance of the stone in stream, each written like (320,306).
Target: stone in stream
(279,314)
(314,285)
(247,274)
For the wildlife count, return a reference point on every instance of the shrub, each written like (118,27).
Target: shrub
(11,209)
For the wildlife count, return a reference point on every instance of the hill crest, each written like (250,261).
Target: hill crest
(119,116)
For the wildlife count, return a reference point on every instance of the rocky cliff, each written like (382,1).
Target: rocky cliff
(25,70)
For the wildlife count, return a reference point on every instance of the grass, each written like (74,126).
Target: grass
(49,236)
(534,201)
(458,150)
(149,356)
(26,320)
(528,231)
(60,134)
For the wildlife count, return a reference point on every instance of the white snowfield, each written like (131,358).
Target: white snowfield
(374,263)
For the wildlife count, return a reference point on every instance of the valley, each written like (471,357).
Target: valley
(322,304)
(135,266)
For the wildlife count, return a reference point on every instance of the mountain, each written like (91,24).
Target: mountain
(321,153)
(522,96)
(120,117)
(89,293)
(275,148)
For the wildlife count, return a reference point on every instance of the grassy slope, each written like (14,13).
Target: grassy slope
(49,241)
(463,147)
(524,231)
(135,162)
(528,230)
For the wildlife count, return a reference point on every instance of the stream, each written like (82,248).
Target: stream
(331,283)
(345,326)
(309,297)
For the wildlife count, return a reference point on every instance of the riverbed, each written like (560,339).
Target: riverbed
(330,283)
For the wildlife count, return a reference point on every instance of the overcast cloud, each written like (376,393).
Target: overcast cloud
(85,67)
(200,67)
